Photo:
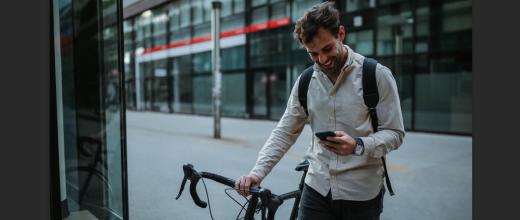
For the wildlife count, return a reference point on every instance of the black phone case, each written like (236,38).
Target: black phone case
(323,135)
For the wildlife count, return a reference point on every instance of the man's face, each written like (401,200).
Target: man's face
(327,50)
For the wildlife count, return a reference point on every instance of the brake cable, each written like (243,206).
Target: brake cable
(207,196)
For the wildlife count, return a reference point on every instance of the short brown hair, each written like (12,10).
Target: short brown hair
(323,15)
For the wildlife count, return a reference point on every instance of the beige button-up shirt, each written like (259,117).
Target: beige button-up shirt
(340,107)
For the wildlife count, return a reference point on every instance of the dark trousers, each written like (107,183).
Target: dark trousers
(314,206)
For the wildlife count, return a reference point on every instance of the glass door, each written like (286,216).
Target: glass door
(260,94)
(279,91)
(270,92)
(89,99)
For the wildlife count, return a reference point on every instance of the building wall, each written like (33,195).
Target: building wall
(426,43)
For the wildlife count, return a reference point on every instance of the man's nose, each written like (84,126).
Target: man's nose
(322,58)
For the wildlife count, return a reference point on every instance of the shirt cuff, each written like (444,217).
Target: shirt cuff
(257,173)
(370,148)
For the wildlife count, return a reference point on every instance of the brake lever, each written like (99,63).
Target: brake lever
(194,177)
(182,187)
(188,170)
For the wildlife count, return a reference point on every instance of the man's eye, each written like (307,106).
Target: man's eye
(327,49)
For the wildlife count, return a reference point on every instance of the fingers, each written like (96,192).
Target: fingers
(329,148)
(243,184)
(334,141)
(330,143)
(335,147)
(247,184)
(341,133)
(239,185)
(244,190)
(327,145)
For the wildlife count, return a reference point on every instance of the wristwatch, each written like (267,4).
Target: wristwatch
(360,147)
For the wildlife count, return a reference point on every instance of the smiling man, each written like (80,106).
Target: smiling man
(345,177)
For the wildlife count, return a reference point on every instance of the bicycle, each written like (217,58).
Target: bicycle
(262,200)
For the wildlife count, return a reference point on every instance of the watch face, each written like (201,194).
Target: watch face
(359,149)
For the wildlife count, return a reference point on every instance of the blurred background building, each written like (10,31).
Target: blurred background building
(167,56)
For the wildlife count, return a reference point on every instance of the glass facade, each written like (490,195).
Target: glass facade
(426,44)
(90,107)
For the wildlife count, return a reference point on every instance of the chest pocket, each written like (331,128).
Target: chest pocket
(350,109)
(344,111)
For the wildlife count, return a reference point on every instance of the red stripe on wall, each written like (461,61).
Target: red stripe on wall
(200,39)
(232,32)
(179,43)
(245,30)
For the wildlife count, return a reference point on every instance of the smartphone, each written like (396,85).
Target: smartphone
(324,134)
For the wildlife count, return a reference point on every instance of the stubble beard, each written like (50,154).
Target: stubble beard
(337,60)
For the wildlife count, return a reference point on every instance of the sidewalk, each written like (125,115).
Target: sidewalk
(431,174)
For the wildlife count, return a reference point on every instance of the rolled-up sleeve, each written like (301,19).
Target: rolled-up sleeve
(390,132)
(282,137)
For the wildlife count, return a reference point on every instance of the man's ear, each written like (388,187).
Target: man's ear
(341,33)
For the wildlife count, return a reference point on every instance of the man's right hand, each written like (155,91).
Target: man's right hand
(243,184)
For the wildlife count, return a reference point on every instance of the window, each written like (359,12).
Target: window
(159,28)
(299,7)
(387,2)
(260,15)
(202,101)
(144,30)
(128,48)
(279,10)
(258,2)
(279,93)
(207,10)
(423,28)
(202,30)
(238,6)
(395,31)
(356,5)
(180,35)
(182,94)
(456,26)
(175,19)
(160,86)
(457,16)
(444,94)
(90,118)
(361,42)
(233,58)
(233,94)
(202,63)
(198,11)
(402,69)
(233,22)
(226,9)
(185,13)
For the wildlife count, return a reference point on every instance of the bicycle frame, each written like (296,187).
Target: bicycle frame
(269,203)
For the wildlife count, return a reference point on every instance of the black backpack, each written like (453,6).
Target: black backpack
(370,96)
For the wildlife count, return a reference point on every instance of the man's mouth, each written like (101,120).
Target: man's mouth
(328,64)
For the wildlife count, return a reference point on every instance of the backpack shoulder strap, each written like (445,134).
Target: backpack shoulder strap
(371,98)
(370,93)
(303,87)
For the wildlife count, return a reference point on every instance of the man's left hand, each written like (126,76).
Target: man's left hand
(341,144)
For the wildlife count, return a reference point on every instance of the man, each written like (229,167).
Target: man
(339,183)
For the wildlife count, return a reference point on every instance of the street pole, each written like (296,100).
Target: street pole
(215,60)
